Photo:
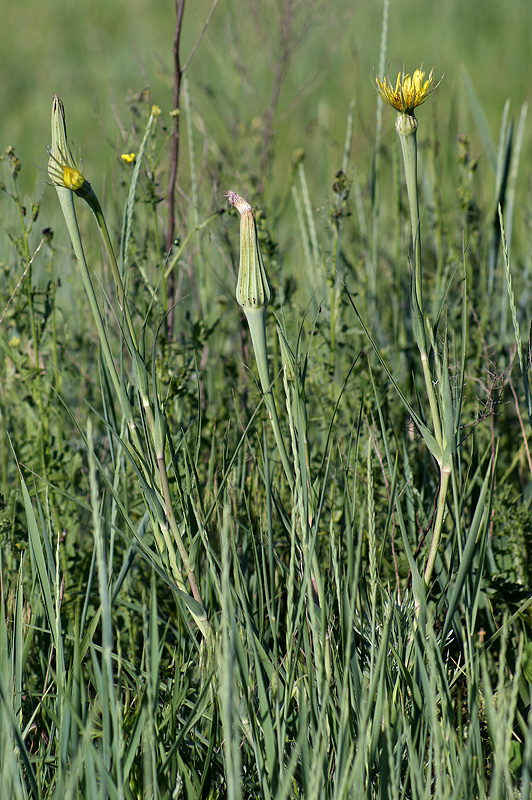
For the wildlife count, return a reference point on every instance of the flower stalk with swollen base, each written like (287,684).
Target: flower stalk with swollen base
(410,92)
(252,295)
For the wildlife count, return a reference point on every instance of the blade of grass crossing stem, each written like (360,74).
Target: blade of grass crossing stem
(478,528)
(113,730)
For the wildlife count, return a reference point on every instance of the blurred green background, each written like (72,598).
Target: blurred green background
(96,53)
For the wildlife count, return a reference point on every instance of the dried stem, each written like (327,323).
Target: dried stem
(174,159)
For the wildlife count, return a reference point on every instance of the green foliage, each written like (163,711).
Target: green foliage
(183,615)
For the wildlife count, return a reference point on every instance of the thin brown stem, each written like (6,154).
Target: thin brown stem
(174,158)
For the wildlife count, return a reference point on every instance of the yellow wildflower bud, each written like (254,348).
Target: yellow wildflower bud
(128,157)
(62,167)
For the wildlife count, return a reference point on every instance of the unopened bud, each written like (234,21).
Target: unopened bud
(252,289)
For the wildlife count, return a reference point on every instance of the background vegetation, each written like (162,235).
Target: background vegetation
(328,669)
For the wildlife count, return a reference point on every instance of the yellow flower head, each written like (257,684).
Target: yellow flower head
(409,92)
(62,168)
(128,157)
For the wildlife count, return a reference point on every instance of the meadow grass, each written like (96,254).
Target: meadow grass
(281,550)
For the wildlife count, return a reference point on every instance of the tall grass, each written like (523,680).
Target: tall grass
(196,603)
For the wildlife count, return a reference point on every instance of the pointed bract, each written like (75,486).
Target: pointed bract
(62,168)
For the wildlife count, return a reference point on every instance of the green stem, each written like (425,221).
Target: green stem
(406,126)
(94,203)
(445,473)
(257,328)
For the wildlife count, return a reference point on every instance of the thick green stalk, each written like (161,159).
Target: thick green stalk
(253,295)
(445,474)
(406,127)
(257,328)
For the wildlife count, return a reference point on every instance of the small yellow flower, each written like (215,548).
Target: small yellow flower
(128,157)
(409,92)
(64,175)
(62,168)
(156,111)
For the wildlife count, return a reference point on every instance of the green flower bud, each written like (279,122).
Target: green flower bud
(62,167)
(252,288)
